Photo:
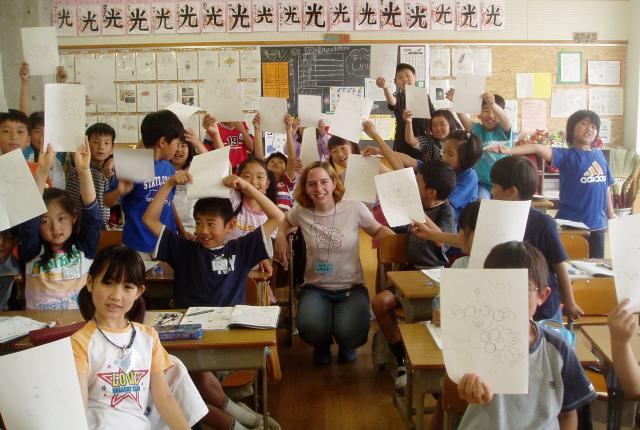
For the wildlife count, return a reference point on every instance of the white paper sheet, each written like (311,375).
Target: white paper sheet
(20,199)
(498,222)
(573,224)
(605,130)
(147,97)
(272,112)
(485,326)
(462,61)
(524,85)
(146,66)
(250,63)
(511,109)
(417,101)
(65,115)
(208,170)
(127,96)
(359,182)
(482,61)
(625,254)
(347,120)
(434,274)
(183,112)
(603,72)
(570,67)
(309,110)
(125,66)
(167,94)
(436,333)
(40,50)
(134,164)
(39,392)
(606,101)
(12,328)
(187,65)
(309,147)
(399,197)
(438,93)
(440,62)
(418,58)
(249,96)
(467,97)
(566,102)
(534,115)
(98,76)
(383,62)
(223,97)
(3,97)
(167,67)
(372,91)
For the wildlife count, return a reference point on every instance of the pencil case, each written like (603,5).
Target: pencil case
(46,335)
(179,332)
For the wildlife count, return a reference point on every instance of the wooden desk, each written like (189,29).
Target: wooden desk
(240,349)
(415,292)
(542,203)
(600,339)
(425,368)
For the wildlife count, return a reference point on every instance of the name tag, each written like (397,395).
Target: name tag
(71,272)
(221,265)
(324,268)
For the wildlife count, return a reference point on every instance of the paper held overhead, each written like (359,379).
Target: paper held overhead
(417,101)
(65,116)
(624,232)
(183,112)
(309,147)
(272,113)
(359,179)
(468,95)
(208,170)
(134,165)
(347,120)
(309,110)
(40,50)
(399,197)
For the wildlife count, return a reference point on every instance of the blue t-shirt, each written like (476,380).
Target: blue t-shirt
(541,232)
(135,234)
(488,159)
(584,186)
(465,192)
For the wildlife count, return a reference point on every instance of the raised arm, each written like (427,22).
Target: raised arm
(370,128)
(258,144)
(45,161)
(409,137)
(541,151)
(210,124)
(112,198)
(291,148)
(151,217)
(190,136)
(466,122)
(83,165)
(430,231)
(24,88)
(490,100)
(382,83)
(246,137)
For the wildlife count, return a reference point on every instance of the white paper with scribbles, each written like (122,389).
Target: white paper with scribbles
(399,197)
(359,183)
(65,116)
(38,391)
(20,199)
(625,255)
(40,50)
(485,326)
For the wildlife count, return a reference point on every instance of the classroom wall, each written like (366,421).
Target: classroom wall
(632,92)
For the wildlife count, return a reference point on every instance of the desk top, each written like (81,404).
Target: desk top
(228,339)
(600,338)
(423,353)
(412,284)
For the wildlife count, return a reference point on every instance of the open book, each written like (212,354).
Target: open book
(12,328)
(589,269)
(565,223)
(217,318)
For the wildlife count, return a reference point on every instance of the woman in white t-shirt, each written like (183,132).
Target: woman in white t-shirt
(334,303)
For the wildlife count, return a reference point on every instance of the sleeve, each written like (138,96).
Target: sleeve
(447,221)
(550,244)
(160,360)
(89,234)
(80,348)
(476,128)
(558,157)
(169,247)
(293,216)
(610,179)
(288,182)
(72,187)
(30,240)
(236,199)
(578,390)
(254,247)
(464,189)
(113,184)
(431,108)
(419,165)
(365,217)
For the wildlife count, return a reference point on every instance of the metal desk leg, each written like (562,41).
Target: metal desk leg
(265,411)
(615,401)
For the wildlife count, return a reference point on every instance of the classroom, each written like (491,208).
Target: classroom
(320,214)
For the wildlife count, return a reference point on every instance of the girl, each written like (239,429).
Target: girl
(56,246)
(322,139)
(333,303)
(585,178)
(339,151)
(442,123)
(283,167)
(184,207)
(120,361)
(461,151)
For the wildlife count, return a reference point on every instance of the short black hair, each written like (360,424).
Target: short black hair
(440,176)
(101,129)
(469,216)
(117,263)
(516,171)
(578,116)
(157,125)
(520,255)
(404,66)
(277,154)
(499,101)
(15,116)
(469,148)
(446,114)
(191,152)
(36,119)
(214,206)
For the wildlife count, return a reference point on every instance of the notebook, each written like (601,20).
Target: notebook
(223,318)
(12,328)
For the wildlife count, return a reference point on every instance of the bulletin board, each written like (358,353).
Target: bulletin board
(506,61)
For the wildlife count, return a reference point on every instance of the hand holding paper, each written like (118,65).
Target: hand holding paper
(183,112)
(467,97)
(359,183)
(399,197)
(272,112)
(347,120)
(65,116)
(417,101)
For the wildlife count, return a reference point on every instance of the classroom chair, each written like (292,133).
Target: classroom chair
(109,237)
(286,279)
(576,247)
(392,255)
(596,296)
(453,406)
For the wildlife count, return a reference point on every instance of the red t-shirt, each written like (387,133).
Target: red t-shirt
(233,138)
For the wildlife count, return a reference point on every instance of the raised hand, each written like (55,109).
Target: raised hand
(450,94)
(288,122)
(181,177)
(473,389)
(369,127)
(369,151)
(61,75)
(190,136)
(82,156)
(257,122)
(488,98)
(235,182)
(407,115)
(381,82)
(210,124)
(24,71)
(622,323)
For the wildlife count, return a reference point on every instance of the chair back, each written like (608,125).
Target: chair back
(576,247)
(392,253)
(596,296)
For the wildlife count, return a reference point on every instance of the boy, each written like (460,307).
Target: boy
(397,102)
(557,383)
(161,131)
(233,134)
(494,127)
(435,182)
(101,137)
(209,272)
(9,266)
(515,178)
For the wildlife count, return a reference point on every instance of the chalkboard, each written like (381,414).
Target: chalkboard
(291,70)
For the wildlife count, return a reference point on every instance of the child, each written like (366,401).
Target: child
(515,178)
(233,134)
(161,131)
(283,167)
(56,247)
(339,151)
(113,345)
(623,325)
(184,207)
(494,127)
(557,383)
(322,139)
(14,133)
(9,266)
(435,182)
(101,137)
(585,178)
(441,124)
(210,272)
(405,75)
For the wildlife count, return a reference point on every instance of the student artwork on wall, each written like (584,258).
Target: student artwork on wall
(135,17)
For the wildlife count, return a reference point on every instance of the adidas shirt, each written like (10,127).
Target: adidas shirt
(118,389)
(584,185)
